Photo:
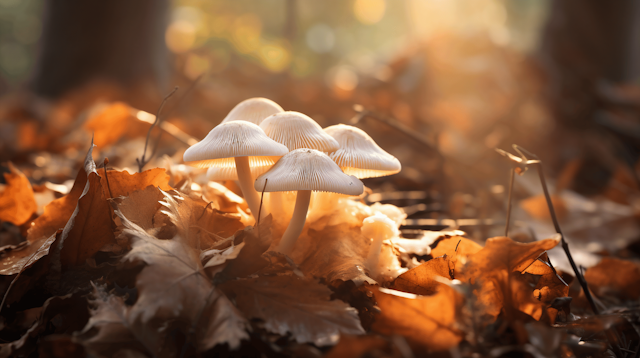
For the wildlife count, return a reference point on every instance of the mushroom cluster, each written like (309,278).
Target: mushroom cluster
(265,149)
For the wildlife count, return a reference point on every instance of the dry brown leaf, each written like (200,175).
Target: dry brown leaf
(57,213)
(17,201)
(15,261)
(615,277)
(457,248)
(289,304)
(336,253)
(121,183)
(422,280)
(250,260)
(108,331)
(196,220)
(90,226)
(427,322)
(140,207)
(194,304)
(495,270)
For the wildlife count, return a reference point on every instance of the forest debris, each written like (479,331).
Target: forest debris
(109,331)
(289,304)
(17,201)
(111,122)
(615,277)
(427,322)
(364,346)
(457,248)
(195,306)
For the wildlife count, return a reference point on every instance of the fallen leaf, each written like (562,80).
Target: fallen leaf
(17,201)
(15,261)
(423,280)
(113,122)
(289,304)
(457,248)
(495,272)
(196,220)
(256,241)
(57,213)
(120,183)
(109,331)
(427,322)
(337,252)
(615,277)
(194,303)
(90,226)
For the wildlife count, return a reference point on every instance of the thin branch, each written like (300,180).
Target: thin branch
(143,161)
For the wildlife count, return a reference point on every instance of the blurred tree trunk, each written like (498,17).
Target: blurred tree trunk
(588,49)
(585,43)
(118,40)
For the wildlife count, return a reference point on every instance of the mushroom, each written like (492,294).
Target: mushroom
(304,170)
(240,145)
(253,110)
(295,130)
(358,155)
(377,228)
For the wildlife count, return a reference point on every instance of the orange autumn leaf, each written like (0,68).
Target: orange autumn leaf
(17,201)
(457,248)
(113,122)
(57,213)
(427,322)
(494,270)
(423,280)
(90,226)
(617,277)
(120,183)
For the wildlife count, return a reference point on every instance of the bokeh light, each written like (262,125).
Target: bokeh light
(180,36)
(369,12)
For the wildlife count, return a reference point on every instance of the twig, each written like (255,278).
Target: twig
(143,161)
(509,199)
(261,199)
(522,163)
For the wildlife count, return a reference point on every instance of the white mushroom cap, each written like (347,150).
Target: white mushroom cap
(359,155)
(379,225)
(253,110)
(221,174)
(297,130)
(308,169)
(234,139)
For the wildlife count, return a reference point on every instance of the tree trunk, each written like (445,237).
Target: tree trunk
(118,40)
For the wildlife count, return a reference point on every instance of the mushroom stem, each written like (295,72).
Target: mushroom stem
(374,253)
(296,224)
(246,185)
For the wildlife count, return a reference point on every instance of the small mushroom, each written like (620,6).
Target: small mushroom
(359,155)
(253,110)
(296,130)
(377,228)
(240,145)
(305,170)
